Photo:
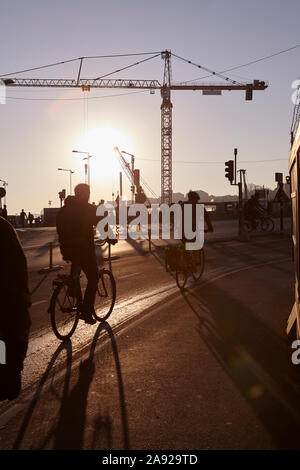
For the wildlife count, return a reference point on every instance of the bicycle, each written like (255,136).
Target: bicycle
(185,263)
(66,300)
(263,223)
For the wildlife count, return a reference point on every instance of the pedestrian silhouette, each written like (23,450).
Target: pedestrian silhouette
(22,218)
(4,212)
(30,218)
(14,314)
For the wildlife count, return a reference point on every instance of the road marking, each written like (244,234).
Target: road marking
(38,303)
(245,268)
(128,275)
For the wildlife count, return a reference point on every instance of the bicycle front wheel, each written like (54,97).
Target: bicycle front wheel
(248,227)
(105,295)
(198,264)
(64,312)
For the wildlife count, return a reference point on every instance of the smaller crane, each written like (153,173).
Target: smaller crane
(134,177)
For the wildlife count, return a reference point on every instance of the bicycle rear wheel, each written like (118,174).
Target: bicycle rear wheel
(267,224)
(198,264)
(105,295)
(64,312)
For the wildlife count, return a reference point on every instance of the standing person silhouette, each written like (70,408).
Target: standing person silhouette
(30,218)
(14,313)
(22,218)
(4,212)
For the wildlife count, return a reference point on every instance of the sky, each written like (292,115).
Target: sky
(39,128)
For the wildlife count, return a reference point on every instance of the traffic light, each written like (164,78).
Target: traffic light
(229,170)
(288,179)
(278,177)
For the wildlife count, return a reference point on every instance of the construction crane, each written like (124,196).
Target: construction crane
(166,107)
(134,177)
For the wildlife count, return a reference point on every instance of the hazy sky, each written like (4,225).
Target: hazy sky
(37,136)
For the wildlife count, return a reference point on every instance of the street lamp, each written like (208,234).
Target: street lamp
(71,173)
(132,173)
(87,168)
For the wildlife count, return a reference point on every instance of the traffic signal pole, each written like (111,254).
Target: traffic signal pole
(231,175)
(240,205)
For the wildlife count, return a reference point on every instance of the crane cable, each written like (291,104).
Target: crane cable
(247,63)
(127,67)
(75,59)
(207,70)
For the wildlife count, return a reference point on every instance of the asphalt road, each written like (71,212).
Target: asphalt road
(246,290)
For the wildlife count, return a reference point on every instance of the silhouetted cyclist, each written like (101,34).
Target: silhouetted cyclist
(252,210)
(14,313)
(75,227)
(193,199)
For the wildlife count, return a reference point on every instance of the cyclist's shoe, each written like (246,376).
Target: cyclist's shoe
(88,318)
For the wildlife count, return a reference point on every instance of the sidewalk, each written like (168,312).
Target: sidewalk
(209,369)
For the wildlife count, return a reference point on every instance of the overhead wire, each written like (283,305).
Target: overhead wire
(213,162)
(75,99)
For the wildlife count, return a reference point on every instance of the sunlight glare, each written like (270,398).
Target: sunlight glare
(100,143)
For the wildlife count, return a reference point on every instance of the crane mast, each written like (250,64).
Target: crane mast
(166,106)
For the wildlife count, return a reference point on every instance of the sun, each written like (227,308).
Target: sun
(100,143)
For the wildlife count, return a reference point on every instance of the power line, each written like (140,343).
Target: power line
(75,99)
(216,162)
(75,59)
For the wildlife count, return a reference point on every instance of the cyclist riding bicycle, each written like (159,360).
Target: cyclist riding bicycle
(253,210)
(75,227)
(193,199)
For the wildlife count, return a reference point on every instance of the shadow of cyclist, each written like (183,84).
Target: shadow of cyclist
(69,432)
(67,346)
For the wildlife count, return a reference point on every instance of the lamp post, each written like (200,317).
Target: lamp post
(132,172)
(88,163)
(71,173)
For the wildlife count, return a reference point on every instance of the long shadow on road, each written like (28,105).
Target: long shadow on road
(67,346)
(66,428)
(257,360)
(69,433)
